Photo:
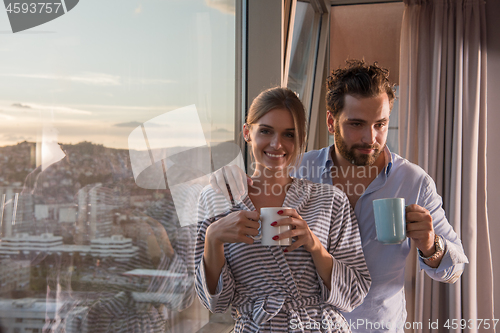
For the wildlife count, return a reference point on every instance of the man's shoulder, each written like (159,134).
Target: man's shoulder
(312,164)
(401,164)
(316,156)
(401,167)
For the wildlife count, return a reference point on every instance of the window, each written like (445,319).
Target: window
(303,50)
(100,110)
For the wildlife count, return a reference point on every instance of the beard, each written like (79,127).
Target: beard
(350,154)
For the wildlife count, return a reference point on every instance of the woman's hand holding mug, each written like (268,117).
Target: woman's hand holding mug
(235,228)
(299,231)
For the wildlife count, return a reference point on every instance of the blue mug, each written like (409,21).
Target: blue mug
(390,220)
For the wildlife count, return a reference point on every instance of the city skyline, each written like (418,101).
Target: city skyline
(77,230)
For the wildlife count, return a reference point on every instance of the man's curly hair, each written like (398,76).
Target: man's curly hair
(358,79)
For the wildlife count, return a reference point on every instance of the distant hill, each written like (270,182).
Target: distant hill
(87,163)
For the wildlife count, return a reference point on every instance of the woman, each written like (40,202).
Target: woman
(270,288)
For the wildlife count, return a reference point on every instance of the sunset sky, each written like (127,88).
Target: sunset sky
(106,67)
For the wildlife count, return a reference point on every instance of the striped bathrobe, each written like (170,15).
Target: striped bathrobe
(272,291)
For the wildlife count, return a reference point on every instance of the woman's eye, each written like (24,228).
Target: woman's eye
(265,131)
(290,135)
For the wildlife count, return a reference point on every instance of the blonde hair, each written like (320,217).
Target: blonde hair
(282,98)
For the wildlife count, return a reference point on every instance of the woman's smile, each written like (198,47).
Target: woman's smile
(275,155)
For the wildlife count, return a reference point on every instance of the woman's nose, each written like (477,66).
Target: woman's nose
(276,142)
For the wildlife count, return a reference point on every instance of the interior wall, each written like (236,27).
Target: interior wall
(493,153)
(369,31)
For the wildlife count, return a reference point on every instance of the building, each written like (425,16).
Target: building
(32,315)
(95,218)
(14,209)
(14,275)
(25,244)
(116,247)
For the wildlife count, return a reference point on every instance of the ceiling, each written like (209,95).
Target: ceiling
(355,2)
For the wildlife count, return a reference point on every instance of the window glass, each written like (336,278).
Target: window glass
(303,43)
(107,115)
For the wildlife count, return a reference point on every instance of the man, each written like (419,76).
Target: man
(359,102)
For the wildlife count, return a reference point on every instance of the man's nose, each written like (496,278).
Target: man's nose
(370,135)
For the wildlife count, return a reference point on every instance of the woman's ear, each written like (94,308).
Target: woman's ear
(246,132)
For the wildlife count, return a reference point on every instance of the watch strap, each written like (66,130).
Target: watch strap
(439,245)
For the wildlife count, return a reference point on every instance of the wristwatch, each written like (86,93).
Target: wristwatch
(439,244)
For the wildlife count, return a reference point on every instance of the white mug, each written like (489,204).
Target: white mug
(267,216)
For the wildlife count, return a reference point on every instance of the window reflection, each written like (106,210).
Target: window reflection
(303,45)
(83,246)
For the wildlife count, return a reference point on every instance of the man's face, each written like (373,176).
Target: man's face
(360,129)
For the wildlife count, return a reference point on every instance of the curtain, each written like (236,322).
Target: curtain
(443,129)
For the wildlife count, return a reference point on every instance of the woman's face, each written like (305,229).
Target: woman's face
(272,139)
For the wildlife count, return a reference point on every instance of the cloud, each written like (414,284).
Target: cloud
(138,10)
(132,124)
(16,138)
(162,108)
(225,6)
(151,81)
(99,79)
(38,107)
(96,79)
(19,105)
(222,130)
(5,116)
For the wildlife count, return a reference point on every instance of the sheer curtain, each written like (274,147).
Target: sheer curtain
(443,122)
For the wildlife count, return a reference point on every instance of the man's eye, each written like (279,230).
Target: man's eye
(382,125)
(355,124)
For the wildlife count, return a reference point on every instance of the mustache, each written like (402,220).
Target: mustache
(365,146)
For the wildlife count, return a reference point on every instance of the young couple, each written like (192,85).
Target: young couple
(305,286)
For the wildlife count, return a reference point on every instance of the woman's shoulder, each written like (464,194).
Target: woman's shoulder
(211,203)
(207,192)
